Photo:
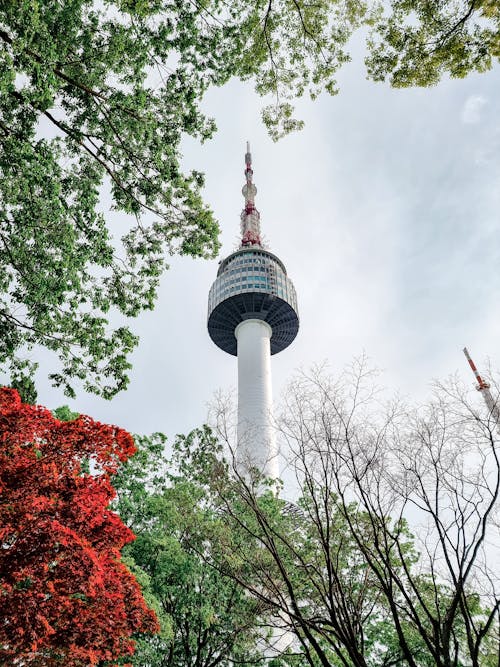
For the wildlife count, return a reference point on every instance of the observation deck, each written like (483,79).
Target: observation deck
(252,283)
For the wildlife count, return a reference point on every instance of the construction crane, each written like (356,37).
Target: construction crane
(484,388)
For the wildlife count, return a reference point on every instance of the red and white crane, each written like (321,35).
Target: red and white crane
(484,388)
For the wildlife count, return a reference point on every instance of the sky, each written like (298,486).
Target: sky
(385,211)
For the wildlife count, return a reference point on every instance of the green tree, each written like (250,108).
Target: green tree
(206,618)
(337,580)
(322,603)
(417,42)
(95,97)
(308,567)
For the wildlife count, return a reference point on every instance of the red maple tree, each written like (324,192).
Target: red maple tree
(65,596)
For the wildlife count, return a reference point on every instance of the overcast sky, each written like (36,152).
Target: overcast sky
(384,210)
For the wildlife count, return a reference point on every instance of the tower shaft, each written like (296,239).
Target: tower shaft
(256,446)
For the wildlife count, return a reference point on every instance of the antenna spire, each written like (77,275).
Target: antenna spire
(250,217)
(484,388)
(481,383)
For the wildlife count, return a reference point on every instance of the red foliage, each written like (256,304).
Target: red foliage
(65,596)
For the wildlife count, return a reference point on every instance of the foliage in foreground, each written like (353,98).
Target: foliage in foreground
(241,576)
(206,619)
(66,596)
(95,98)
(417,43)
(343,571)
(235,573)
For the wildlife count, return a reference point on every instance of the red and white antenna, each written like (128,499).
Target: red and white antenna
(484,388)
(250,217)
(481,384)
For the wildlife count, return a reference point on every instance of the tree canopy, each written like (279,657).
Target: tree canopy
(416,42)
(95,97)
(388,557)
(94,100)
(206,618)
(391,557)
(67,597)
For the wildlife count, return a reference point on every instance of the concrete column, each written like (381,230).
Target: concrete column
(256,435)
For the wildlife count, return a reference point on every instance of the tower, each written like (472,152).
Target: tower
(252,314)
(484,388)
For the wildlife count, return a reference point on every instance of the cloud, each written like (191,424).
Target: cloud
(471,111)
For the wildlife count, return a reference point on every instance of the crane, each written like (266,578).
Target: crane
(484,388)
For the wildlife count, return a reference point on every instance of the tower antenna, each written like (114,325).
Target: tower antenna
(484,388)
(250,217)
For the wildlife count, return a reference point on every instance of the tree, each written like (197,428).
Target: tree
(392,558)
(311,574)
(206,619)
(95,97)
(417,42)
(67,597)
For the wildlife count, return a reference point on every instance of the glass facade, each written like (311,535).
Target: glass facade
(251,270)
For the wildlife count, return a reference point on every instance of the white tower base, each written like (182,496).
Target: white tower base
(256,436)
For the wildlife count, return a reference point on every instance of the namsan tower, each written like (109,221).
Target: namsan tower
(252,314)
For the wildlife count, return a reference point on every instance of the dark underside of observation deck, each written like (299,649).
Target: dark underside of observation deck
(226,316)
